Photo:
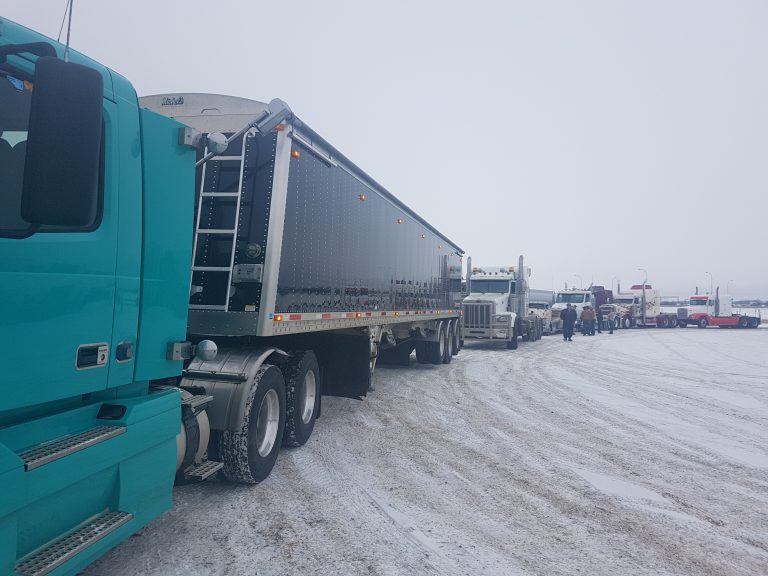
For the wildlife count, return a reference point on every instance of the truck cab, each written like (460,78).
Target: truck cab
(497,306)
(95,242)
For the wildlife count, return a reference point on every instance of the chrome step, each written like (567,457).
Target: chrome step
(48,452)
(196,401)
(221,194)
(202,471)
(216,231)
(60,551)
(211,269)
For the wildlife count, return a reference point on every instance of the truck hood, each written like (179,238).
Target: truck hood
(497,299)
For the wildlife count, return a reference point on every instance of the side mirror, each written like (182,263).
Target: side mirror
(61,176)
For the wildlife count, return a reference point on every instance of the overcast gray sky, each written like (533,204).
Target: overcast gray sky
(594,137)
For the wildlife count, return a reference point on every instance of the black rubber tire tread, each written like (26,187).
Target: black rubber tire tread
(702,323)
(449,336)
(434,353)
(743,322)
(456,344)
(422,353)
(296,433)
(238,450)
(512,344)
(754,322)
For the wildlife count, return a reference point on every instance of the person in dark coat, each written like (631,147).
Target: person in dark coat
(569,320)
(600,319)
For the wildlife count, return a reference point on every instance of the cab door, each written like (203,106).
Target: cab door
(57,283)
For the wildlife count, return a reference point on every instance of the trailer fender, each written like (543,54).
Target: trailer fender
(229,378)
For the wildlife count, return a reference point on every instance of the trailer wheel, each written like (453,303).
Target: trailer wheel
(302,397)
(436,350)
(754,322)
(422,353)
(449,336)
(662,322)
(250,453)
(672,323)
(703,323)
(456,343)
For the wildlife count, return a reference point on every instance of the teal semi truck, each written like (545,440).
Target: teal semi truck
(130,240)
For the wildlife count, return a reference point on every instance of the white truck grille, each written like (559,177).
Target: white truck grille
(477,315)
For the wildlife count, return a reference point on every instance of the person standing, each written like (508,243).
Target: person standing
(600,319)
(569,319)
(588,321)
(611,320)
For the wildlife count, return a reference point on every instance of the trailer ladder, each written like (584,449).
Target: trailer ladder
(216,198)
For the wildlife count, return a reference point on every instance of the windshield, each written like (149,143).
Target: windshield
(623,300)
(698,303)
(15,98)
(570,298)
(485,286)
(539,305)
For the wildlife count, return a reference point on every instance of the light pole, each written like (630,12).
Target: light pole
(581,282)
(710,281)
(645,281)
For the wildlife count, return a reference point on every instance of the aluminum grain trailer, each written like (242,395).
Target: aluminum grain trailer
(305,272)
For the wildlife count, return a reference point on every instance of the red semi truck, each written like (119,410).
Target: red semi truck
(708,310)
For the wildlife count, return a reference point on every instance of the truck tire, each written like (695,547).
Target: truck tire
(673,323)
(456,344)
(626,323)
(702,323)
(422,353)
(302,397)
(682,324)
(436,350)
(616,323)
(754,322)
(662,322)
(249,454)
(449,336)
(743,322)
(512,344)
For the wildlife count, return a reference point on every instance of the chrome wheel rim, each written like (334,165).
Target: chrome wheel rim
(308,400)
(267,423)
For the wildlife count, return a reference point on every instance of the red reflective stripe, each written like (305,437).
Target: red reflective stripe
(326,316)
(294,317)
(367,313)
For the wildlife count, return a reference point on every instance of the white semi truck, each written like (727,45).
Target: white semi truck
(540,305)
(497,306)
(578,298)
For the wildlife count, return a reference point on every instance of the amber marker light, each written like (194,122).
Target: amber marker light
(361,197)
(399,221)
(278,318)
(295,153)
(358,315)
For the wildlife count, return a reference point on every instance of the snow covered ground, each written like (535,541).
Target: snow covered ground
(644,452)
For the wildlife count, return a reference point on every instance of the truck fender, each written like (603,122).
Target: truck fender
(229,378)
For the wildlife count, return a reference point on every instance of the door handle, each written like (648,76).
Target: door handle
(92,355)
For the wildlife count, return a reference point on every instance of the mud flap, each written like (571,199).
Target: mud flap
(345,364)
